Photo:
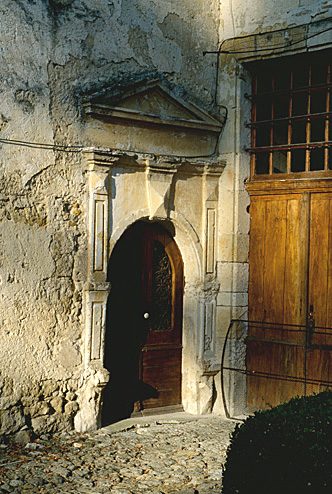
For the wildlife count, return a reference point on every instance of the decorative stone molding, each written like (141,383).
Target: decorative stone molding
(210,290)
(89,416)
(96,289)
(96,302)
(147,113)
(210,240)
(122,188)
(159,179)
(211,194)
(209,323)
(98,218)
(151,99)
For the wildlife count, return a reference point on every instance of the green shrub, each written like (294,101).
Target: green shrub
(287,449)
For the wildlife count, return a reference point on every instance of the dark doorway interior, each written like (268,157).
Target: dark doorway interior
(144,316)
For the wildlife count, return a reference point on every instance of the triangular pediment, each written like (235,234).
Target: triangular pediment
(151,101)
(155,101)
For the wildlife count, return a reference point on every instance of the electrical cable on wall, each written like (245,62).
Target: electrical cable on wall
(77,149)
(260,50)
(41,145)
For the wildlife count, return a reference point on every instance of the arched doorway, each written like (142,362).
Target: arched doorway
(143,346)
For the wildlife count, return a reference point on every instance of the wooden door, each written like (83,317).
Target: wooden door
(290,276)
(276,298)
(319,352)
(162,287)
(143,348)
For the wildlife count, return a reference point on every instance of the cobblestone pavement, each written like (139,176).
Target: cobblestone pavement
(163,454)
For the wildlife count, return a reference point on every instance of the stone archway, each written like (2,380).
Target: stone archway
(123,189)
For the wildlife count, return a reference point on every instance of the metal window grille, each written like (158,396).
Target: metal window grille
(291,123)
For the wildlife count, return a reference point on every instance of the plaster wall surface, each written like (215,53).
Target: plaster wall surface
(52,54)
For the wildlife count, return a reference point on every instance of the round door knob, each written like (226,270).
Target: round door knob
(146,315)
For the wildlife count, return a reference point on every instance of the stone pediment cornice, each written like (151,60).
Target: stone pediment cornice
(108,158)
(152,101)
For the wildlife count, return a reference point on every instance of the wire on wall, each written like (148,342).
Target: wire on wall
(260,50)
(41,145)
(78,149)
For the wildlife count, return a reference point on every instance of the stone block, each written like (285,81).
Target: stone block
(218,405)
(205,394)
(27,401)
(243,172)
(71,408)
(70,396)
(233,277)
(224,315)
(11,420)
(240,299)
(227,178)
(225,211)
(57,404)
(7,387)
(49,387)
(39,409)
(225,299)
(225,275)
(223,318)
(233,247)
(232,299)
(242,217)
(43,425)
(69,355)
(22,437)
(8,401)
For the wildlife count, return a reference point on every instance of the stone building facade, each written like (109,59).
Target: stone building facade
(114,112)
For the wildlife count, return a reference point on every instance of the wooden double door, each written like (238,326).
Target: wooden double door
(290,291)
(143,348)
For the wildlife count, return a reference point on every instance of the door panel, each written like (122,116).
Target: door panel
(162,286)
(319,370)
(320,265)
(274,260)
(319,275)
(276,298)
(295,285)
(256,261)
(320,291)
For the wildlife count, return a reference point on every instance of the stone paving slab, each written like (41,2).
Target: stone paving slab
(168,454)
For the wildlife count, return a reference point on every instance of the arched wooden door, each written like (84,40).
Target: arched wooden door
(143,349)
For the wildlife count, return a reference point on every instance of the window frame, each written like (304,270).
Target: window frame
(292,65)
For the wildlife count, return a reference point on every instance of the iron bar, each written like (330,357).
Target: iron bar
(307,343)
(278,377)
(312,116)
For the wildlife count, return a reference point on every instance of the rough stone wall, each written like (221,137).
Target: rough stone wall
(242,17)
(51,52)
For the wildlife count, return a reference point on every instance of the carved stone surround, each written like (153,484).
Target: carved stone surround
(201,291)
(147,183)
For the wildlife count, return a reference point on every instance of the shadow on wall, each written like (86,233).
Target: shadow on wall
(125,333)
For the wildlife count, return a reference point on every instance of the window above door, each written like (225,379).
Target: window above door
(291,122)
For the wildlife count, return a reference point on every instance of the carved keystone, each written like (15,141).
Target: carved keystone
(159,181)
